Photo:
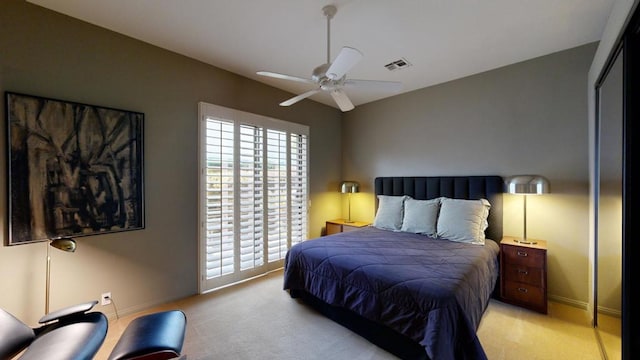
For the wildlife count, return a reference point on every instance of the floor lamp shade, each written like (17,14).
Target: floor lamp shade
(349,187)
(64,244)
(527,185)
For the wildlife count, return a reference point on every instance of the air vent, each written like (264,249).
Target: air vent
(398,64)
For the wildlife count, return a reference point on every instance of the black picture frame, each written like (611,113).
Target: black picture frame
(73,169)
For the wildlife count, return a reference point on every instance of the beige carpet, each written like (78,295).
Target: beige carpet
(258,320)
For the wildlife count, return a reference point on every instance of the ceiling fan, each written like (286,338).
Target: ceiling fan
(331,76)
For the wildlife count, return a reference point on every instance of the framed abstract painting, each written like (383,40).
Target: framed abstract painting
(73,169)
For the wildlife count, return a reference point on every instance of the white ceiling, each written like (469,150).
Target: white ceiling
(442,39)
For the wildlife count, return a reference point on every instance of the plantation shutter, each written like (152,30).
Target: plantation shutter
(251,197)
(277,187)
(254,193)
(299,195)
(219,198)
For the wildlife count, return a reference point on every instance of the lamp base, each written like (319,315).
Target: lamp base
(526,241)
(349,221)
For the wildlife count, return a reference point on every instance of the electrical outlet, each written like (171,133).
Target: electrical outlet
(106,298)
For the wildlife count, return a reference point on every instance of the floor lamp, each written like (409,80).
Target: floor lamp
(61,243)
(526,185)
(349,187)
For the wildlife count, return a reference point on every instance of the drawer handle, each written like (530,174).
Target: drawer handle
(523,272)
(523,253)
(522,290)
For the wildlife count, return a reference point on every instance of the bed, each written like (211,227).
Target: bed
(419,295)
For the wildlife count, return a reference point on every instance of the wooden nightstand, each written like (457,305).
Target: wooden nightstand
(523,274)
(341,225)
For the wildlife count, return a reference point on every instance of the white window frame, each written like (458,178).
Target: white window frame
(239,118)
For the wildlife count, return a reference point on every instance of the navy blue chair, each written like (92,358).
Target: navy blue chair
(74,333)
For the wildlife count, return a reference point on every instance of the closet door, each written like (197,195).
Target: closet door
(631,192)
(617,194)
(609,140)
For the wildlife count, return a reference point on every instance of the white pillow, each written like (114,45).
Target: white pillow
(463,220)
(421,216)
(390,212)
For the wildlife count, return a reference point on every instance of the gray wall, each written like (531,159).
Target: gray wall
(526,118)
(47,54)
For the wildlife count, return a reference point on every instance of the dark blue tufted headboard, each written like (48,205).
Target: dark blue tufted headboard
(457,187)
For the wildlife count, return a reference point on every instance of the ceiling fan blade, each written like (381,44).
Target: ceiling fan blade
(390,86)
(295,99)
(285,77)
(342,100)
(345,60)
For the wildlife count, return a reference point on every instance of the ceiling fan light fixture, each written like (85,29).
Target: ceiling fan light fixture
(346,59)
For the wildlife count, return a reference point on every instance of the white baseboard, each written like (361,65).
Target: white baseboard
(571,302)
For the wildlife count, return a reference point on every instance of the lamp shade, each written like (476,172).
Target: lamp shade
(527,184)
(64,244)
(349,187)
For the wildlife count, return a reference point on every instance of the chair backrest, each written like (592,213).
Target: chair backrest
(14,335)
(75,337)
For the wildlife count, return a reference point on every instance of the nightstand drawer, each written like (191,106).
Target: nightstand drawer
(523,256)
(533,276)
(346,228)
(340,225)
(333,228)
(524,294)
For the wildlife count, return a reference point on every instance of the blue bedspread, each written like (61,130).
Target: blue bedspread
(433,291)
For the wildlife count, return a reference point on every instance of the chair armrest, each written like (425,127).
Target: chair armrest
(68,311)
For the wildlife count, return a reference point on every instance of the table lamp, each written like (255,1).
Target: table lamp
(349,187)
(527,185)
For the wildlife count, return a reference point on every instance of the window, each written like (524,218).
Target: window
(253,193)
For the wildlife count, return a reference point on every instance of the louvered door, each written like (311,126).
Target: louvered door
(254,197)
